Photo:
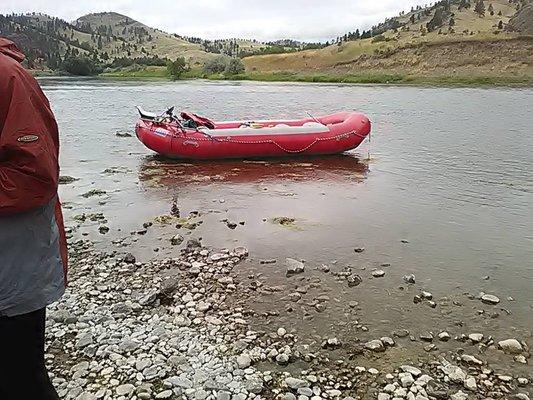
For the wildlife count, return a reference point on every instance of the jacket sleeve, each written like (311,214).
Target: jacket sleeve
(29,169)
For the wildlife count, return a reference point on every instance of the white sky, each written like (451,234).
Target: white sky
(308,20)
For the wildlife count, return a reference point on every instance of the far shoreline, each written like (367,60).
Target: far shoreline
(284,76)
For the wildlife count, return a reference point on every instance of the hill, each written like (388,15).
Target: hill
(117,36)
(447,38)
(47,40)
(114,39)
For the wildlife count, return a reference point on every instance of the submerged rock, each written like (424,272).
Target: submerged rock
(294,267)
(490,299)
(66,179)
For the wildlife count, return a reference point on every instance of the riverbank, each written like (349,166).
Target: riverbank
(186,327)
(374,78)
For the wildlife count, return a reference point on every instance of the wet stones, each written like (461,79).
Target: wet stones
(475,337)
(295,383)
(231,225)
(359,249)
(454,373)
(354,280)
(176,240)
(378,273)
(375,345)
(510,346)
(331,343)
(294,267)
(129,258)
(468,359)
(401,333)
(411,370)
(490,299)
(426,336)
(240,251)
(66,180)
(410,279)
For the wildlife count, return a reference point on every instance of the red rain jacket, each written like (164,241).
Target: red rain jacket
(29,144)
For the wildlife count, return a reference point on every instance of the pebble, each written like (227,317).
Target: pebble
(490,299)
(411,370)
(475,337)
(378,273)
(510,346)
(294,267)
(295,383)
(460,395)
(125,390)
(470,383)
(375,345)
(411,279)
(244,361)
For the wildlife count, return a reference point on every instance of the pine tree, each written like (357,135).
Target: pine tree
(480,8)
(500,25)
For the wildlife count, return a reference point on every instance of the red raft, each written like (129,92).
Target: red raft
(195,137)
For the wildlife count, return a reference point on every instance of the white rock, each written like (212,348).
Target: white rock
(490,299)
(412,370)
(511,346)
(470,383)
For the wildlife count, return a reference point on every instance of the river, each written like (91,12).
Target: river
(443,190)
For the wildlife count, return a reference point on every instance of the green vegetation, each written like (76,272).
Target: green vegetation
(216,65)
(176,68)
(224,65)
(81,65)
(234,66)
(368,78)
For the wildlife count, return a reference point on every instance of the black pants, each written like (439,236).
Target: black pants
(23,374)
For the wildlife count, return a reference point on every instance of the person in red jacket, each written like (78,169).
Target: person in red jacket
(33,253)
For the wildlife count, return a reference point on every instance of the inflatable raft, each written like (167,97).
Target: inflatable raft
(193,137)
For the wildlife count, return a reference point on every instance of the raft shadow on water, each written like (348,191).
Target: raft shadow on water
(156,171)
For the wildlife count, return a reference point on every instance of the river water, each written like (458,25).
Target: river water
(443,190)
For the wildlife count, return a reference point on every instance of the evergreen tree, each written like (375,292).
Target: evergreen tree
(500,25)
(479,9)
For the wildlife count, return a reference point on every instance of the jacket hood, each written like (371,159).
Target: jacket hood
(10,49)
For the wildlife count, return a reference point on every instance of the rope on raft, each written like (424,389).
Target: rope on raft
(209,138)
(270,141)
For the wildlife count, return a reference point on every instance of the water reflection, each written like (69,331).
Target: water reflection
(158,171)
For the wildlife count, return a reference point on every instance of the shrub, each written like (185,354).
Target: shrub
(216,65)
(234,66)
(379,38)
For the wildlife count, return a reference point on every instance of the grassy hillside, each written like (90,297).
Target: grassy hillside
(120,36)
(464,43)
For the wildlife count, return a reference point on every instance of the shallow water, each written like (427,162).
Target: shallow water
(446,193)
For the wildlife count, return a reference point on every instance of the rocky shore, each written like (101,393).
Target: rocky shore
(184,328)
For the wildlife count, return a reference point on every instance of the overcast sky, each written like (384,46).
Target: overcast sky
(308,20)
